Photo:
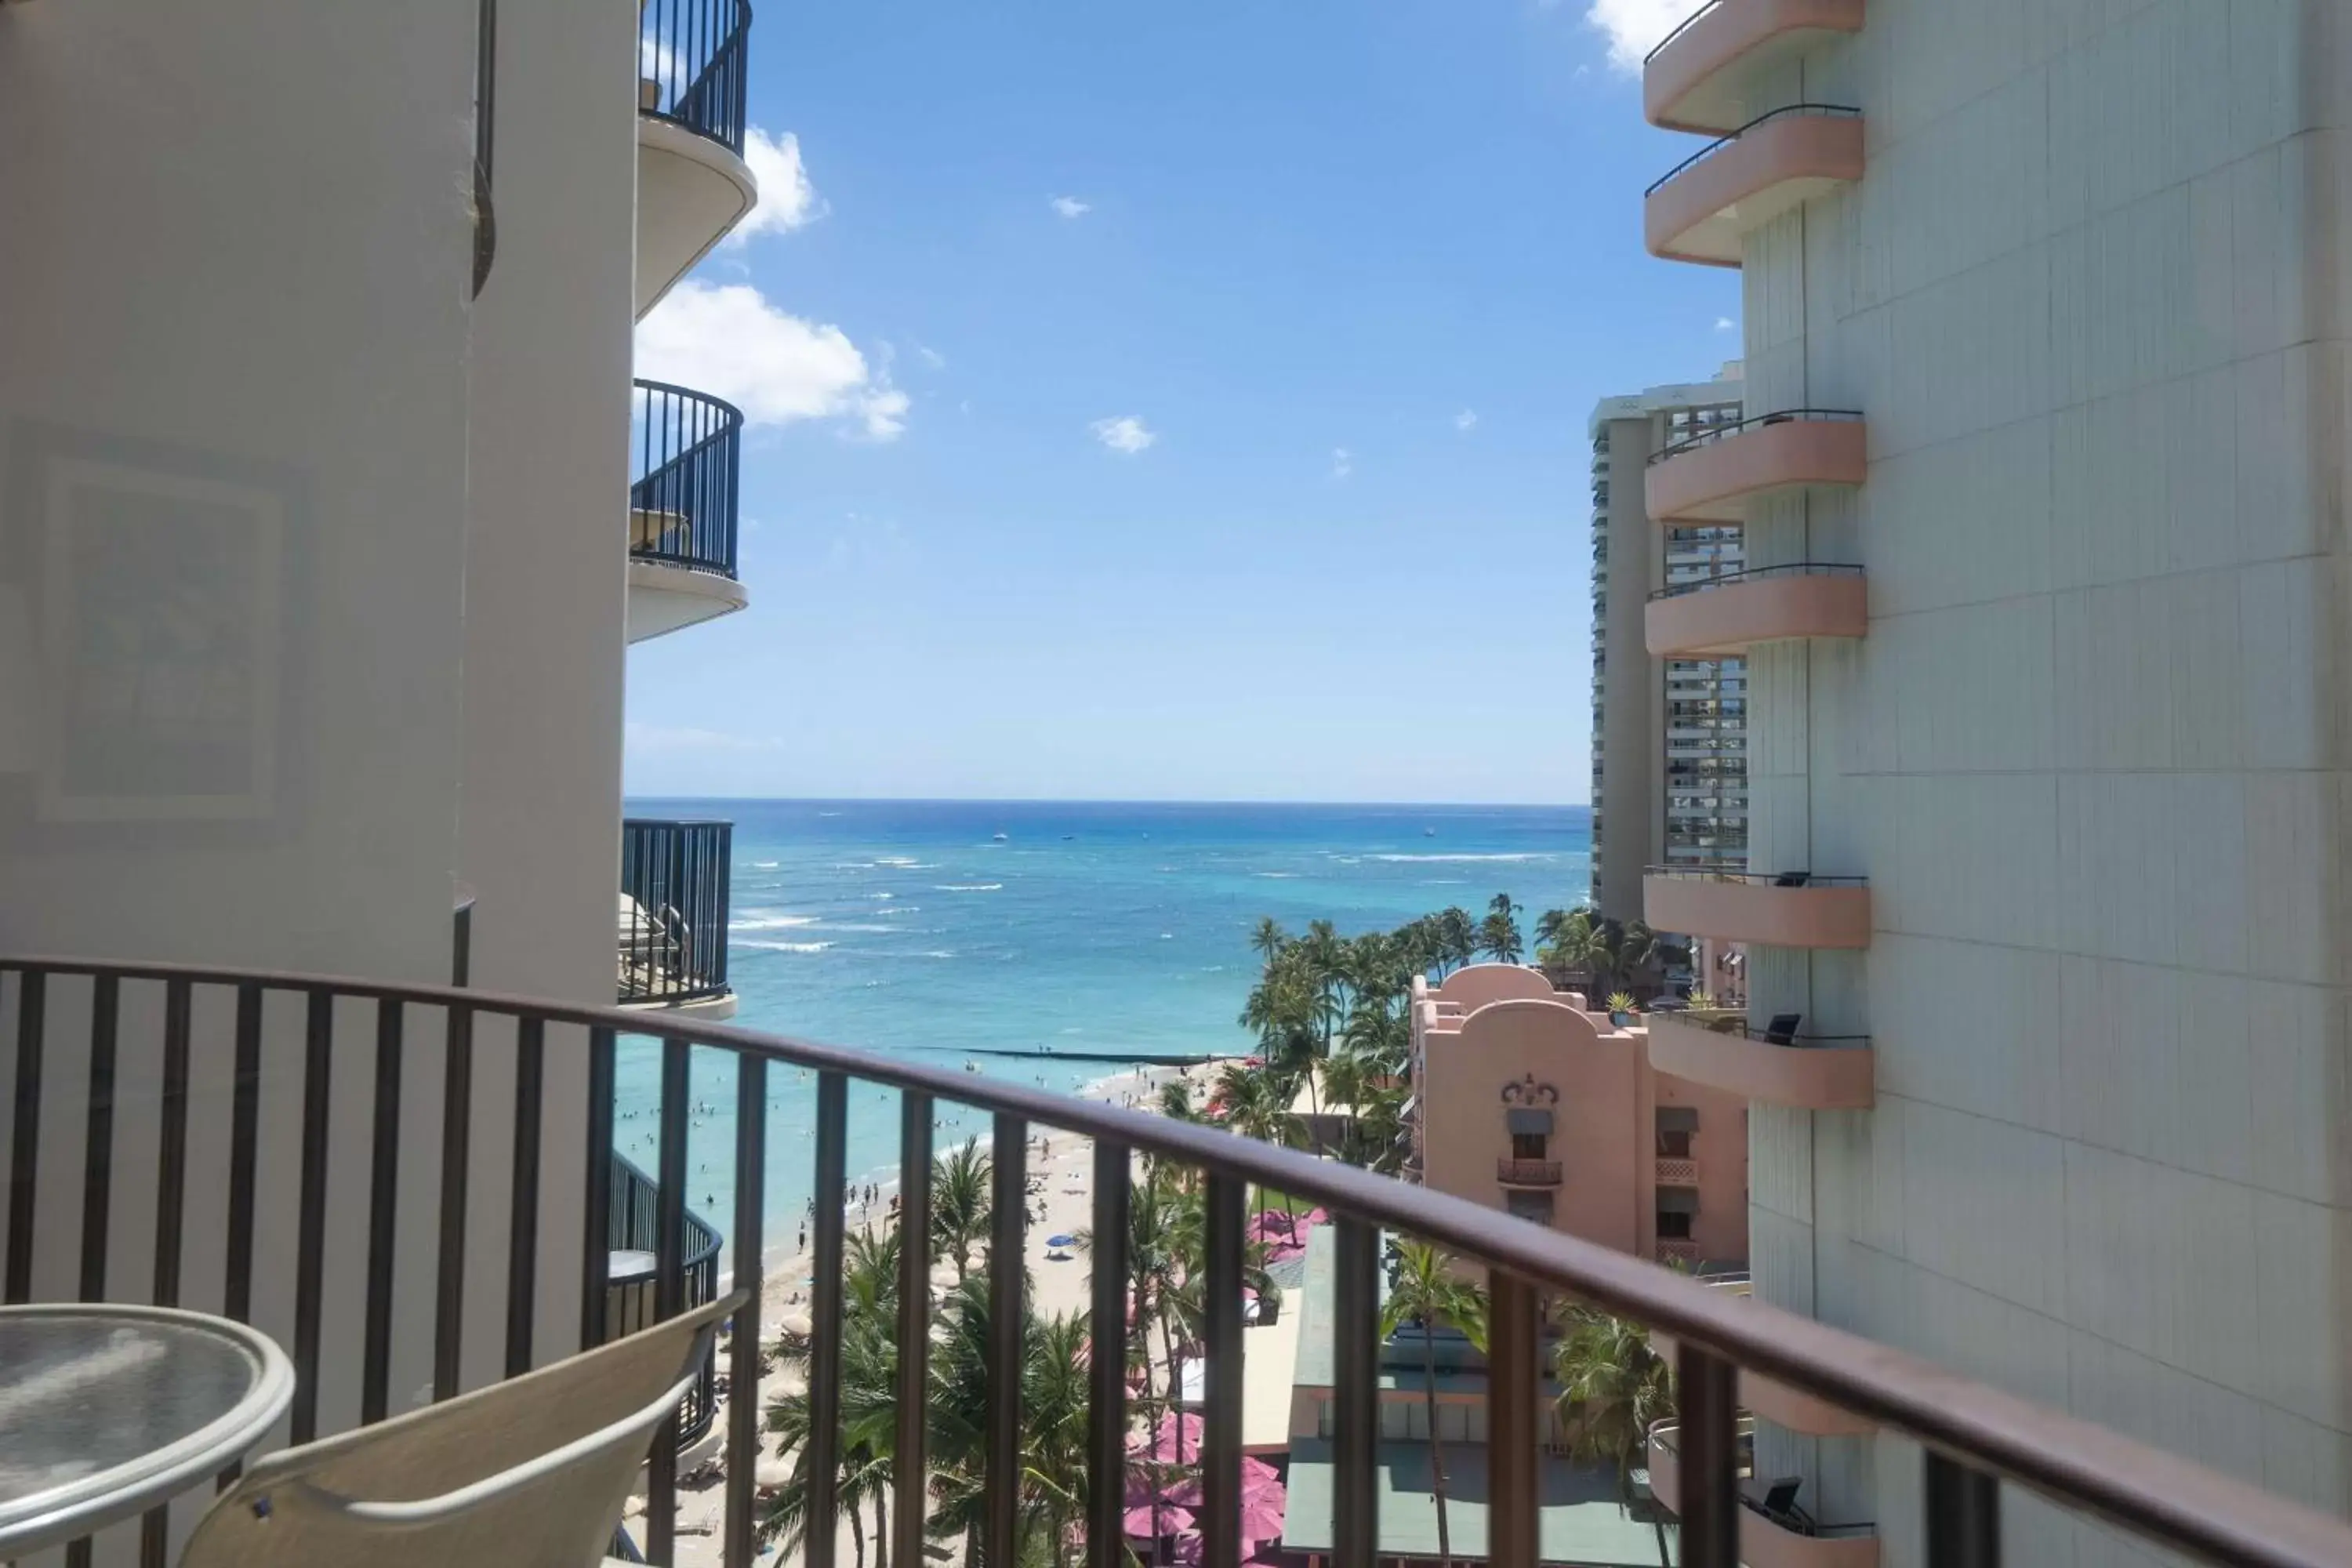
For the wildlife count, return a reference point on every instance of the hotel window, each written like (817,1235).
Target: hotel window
(1535,1205)
(1677,1206)
(1677,1125)
(1529,1146)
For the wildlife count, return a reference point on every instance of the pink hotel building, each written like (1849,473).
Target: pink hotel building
(1526,1101)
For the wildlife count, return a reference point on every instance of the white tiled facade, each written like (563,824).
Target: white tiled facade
(2091,755)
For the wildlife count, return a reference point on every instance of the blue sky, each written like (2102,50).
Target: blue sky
(1171,403)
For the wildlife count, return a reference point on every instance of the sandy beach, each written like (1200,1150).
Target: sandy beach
(1064,1204)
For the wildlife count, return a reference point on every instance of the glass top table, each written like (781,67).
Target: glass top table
(107,1410)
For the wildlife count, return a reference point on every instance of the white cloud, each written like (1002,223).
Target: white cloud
(931,357)
(1466,420)
(728,341)
(1726,324)
(1343,462)
(1070,207)
(1126,434)
(787,200)
(1634,26)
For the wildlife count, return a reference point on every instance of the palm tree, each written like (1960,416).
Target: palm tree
(1257,1105)
(962,1203)
(1428,1292)
(1268,939)
(1499,933)
(1614,1389)
(1460,934)
(867,1391)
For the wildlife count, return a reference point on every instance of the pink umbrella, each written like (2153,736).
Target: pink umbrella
(1258,1480)
(1262,1516)
(1257,1472)
(1146,1523)
(1177,1440)
(1186,1552)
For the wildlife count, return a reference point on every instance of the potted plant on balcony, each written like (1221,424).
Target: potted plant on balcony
(1705,1013)
(1623,1009)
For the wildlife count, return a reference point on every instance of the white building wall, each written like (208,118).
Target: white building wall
(2091,754)
(274,675)
(545,592)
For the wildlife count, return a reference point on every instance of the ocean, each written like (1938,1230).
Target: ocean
(911,928)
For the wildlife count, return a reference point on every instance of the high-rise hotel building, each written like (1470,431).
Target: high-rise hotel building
(1669,735)
(2040,473)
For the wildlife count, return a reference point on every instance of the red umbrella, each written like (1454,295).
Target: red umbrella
(1166,1518)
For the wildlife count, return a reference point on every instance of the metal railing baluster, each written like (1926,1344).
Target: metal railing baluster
(1707,1398)
(1514,1379)
(383,1211)
(669,1291)
(1107,1366)
(908,1521)
(743,1339)
(1221,1447)
(1007,1280)
(310,1226)
(522,1204)
(1355,1394)
(830,1199)
(1962,1516)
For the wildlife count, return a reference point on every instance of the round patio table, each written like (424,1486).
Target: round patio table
(107,1410)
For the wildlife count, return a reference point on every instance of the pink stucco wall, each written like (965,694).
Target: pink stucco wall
(1604,1122)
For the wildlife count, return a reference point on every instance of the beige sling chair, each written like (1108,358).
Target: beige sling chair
(530,1473)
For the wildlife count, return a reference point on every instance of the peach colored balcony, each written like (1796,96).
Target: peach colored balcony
(1704,208)
(1786,909)
(1677,1172)
(1774,1062)
(1710,73)
(1776,1531)
(1713,617)
(1528,1172)
(1711,477)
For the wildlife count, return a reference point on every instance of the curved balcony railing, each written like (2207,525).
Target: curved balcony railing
(286,1032)
(675,891)
(633,1288)
(686,479)
(1708,74)
(692,63)
(1791,112)
(1701,208)
(1776,1062)
(1778,909)
(1718,616)
(1709,478)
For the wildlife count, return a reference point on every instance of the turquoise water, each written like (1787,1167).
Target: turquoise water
(911,928)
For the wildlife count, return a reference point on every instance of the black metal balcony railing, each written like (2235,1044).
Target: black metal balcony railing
(675,880)
(1709,436)
(233,1031)
(633,1286)
(685,477)
(1680,28)
(1758,573)
(692,58)
(1821,111)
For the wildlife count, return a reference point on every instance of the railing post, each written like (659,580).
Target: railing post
(1513,1372)
(1705,1392)
(824,1321)
(743,1413)
(1106,1369)
(1221,1470)
(1007,1267)
(908,1486)
(1356,1395)
(1962,1514)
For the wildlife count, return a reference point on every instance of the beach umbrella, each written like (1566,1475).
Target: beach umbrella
(798,1324)
(1262,1515)
(1186,1550)
(1257,1473)
(1156,1520)
(1176,1440)
(1061,1241)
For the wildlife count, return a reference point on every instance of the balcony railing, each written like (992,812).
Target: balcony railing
(1702,208)
(1528,1172)
(271,1041)
(685,477)
(675,880)
(1676,1172)
(1734,612)
(692,58)
(1778,909)
(634,1287)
